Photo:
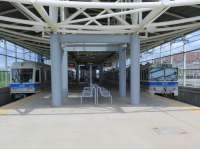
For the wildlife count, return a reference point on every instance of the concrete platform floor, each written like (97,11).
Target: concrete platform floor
(157,123)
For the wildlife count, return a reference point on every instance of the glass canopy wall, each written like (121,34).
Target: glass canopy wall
(9,53)
(183,53)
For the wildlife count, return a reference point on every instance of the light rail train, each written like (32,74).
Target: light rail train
(155,79)
(159,79)
(29,78)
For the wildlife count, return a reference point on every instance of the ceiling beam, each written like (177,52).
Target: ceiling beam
(27,12)
(108,5)
(115,39)
(174,15)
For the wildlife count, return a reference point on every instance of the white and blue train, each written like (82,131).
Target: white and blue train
(159,79)
(29,78)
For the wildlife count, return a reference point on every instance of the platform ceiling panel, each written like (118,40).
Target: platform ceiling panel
(29,23)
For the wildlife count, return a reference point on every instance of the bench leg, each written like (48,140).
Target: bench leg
(97,102)
(81,100)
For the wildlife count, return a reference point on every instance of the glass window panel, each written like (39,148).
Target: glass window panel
(166,59)
(27,56)
(10,53)
(157,61)
(193,38)
(165,49)
(1,43)
(10,61)
(2,62)
(2,51)
(177,47)
(10,49)
(178,60)
(193,60)
(193,34)
(193,45)
(156,52)
(33,57)
(20,53)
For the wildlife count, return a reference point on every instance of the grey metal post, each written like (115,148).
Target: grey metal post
(101,72)
(184,63)
(77,72)
(171,58)
(135,70)
(65,73)
(90,74)
(15,46)
(122,72)
(23,54)
(94,74)
(56,81)
(6,53)
(160,55)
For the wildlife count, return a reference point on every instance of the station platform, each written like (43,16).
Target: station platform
(156,123)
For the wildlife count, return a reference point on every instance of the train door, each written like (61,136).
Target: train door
(37,76)
(37,79)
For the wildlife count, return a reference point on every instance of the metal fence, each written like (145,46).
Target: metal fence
(4,78)
(189,78)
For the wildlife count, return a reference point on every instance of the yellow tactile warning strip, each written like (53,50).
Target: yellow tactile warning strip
(3,111)
(197,110)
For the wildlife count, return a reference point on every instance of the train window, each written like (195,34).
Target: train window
(157,74)
(37,76)
(171,74)
(22,75)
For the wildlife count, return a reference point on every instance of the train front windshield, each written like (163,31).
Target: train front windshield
(163,74)
(171,74)
(22,75)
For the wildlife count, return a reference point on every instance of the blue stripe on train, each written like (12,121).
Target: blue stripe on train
(160,84)
(24,85)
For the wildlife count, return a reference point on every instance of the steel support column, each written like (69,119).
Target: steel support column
(90,74)
(100,72)
(56,81)
(135,70)
(65,73)
(184,63)
(6,53)
(94,74)
(77,72)
(122,72)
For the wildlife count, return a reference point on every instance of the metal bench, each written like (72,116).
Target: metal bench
(88,92)
(105,93)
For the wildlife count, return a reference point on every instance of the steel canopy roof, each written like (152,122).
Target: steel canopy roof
(29,23)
